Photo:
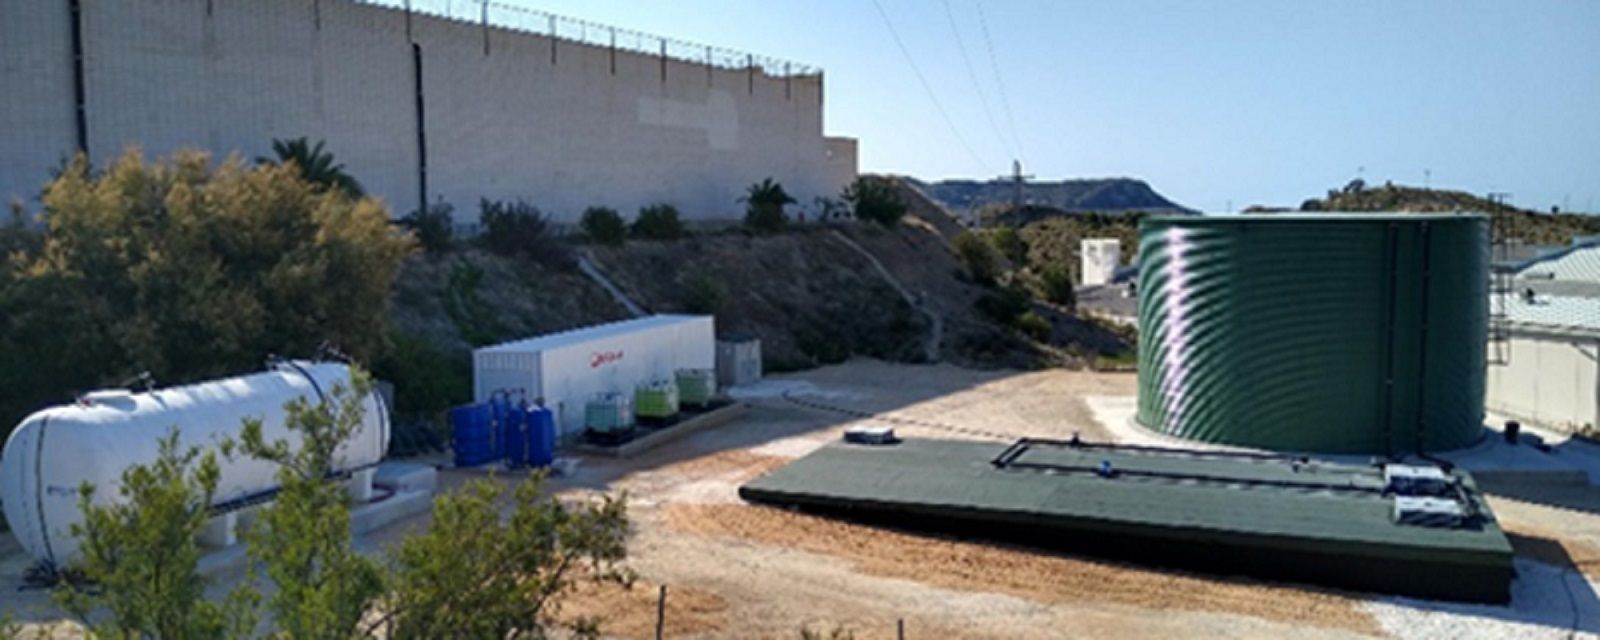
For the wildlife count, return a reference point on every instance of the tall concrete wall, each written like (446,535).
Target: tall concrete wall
(505,116)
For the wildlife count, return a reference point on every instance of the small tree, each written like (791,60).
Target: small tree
(603,225)
(141,554)
(316,165)
(875,199)
(433,227)
(303,539)
(702,294)
(764,203)
(658,222)
(504,579)
(1010,244)
(1057,284)
(977,256)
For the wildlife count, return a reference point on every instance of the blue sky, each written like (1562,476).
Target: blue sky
(1213,103)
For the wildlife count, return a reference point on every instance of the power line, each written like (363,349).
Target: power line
(1005,102)
(977,88)
(926,87)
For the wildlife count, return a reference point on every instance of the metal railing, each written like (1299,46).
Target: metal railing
(497,15)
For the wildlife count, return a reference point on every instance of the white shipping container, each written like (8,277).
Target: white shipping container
(568,369)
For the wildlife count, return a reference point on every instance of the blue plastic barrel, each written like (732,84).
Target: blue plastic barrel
(472,436)
(541,436)
(516,435)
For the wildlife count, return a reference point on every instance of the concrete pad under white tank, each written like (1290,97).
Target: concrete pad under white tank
(407,490)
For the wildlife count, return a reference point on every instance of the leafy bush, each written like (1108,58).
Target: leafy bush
(1010,245)
(1057,284)
(702,295)
(1033,325)
(658,222)
(434,227)
(188,271)
(506,579)
(427,381)
(977,256)
(315,164)
(302,538)
(520,229)
(143,554)
(603,225)
(875,199)
(764,202)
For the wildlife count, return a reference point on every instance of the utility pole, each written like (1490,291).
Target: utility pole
(1018,180)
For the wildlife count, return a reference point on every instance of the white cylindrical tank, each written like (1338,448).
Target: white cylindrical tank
(57,449)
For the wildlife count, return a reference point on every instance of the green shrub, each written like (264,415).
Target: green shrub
(1057,284)
(427,381)
(658,222)
(507,578)
(977,256)
(302,538)
(875,199)
(702,295)
(190,271)
(1033,325)
(604,226)
(519,229)
(1010,245)
(764,202)
(142,554)
(434,227)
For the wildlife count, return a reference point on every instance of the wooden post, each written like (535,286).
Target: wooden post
(900,629)
(661,613)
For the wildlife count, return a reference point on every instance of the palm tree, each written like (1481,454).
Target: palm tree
(768,193)
(764,206)
(316,165)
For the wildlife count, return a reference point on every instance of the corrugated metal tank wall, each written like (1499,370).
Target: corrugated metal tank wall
(1333,333)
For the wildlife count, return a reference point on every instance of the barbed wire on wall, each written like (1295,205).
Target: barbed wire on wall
(573,30)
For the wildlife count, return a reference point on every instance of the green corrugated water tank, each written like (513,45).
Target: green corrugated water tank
(1329,333)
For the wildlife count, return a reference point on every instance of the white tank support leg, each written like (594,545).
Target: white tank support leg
(359,486)
(221,531)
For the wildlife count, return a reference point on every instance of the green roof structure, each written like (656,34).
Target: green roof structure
(1255,514)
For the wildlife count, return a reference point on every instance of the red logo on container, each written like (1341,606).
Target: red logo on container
(604,357)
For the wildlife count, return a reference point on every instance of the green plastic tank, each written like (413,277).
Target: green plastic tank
(1327,333)
(657,400)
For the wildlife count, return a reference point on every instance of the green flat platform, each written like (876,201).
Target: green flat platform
(1267,516)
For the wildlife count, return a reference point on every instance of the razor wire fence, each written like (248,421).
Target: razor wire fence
(490,14)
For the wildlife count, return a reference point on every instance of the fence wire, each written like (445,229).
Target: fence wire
(532,21)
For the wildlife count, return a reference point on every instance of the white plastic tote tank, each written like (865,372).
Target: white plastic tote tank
(94,440)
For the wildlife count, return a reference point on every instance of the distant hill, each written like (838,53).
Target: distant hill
(1530,227)
(968,198)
